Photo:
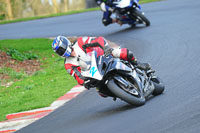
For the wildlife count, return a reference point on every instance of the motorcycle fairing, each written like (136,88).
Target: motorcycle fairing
(93,69)
(126,4)
(122,3)
(117,65)
(122,7)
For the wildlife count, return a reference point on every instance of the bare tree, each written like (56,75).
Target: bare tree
(55,6)
(66,4)
(9,9)
(12,9)
(17,8)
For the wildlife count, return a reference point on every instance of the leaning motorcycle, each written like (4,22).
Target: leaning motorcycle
(129,12)
(120,79)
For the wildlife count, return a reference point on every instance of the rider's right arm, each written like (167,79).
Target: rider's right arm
(75,71)
(124,54)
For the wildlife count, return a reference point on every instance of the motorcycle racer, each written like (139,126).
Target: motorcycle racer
(76,54)
(106,7)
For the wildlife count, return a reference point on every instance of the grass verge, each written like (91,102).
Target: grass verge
(147,1)
(41,88)
(62,14)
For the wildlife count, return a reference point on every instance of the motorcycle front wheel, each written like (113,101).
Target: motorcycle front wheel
(124,95)
(139,17)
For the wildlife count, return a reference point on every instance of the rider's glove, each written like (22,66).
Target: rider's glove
(134,62)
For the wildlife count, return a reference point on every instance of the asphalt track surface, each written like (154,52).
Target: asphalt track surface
(171,44)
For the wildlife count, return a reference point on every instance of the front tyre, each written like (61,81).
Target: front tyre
(138,15)
(125,96)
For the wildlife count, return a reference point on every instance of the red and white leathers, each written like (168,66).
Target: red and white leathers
(74,65)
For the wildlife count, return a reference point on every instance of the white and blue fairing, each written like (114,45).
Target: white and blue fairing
(92,71)
(125,3)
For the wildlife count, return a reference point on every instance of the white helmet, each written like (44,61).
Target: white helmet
(62,46)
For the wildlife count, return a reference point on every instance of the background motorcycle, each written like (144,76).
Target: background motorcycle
(129,12)
(120,79)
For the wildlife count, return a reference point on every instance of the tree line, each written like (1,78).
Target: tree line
(13,9)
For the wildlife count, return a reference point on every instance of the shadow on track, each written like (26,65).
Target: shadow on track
(91,118)
(126,30)
(117,109)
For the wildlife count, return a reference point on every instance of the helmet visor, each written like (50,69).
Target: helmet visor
(60,51)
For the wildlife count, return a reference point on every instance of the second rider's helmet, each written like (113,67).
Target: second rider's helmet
(62,46)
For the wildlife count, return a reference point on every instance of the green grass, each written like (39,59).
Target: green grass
(40,89)
(61,14)
(147,1)
(15,54)
(13,75)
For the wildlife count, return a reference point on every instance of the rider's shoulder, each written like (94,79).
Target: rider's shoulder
(70,61)
(82,39)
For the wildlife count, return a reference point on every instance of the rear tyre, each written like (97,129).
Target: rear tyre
(142,19)
(125,96)
(159,86)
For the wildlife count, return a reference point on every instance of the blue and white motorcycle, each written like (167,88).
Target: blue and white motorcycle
(120,79)
(129,12)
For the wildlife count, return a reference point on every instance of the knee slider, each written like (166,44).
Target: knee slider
(107,21)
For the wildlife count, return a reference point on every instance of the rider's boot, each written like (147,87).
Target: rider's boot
(143,66)
(133,60)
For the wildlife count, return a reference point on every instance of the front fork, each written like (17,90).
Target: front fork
(136,4)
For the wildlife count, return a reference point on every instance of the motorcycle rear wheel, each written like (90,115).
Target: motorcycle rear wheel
(125,96)
(159,86)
